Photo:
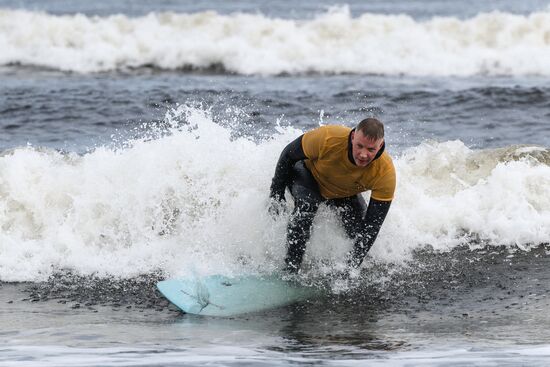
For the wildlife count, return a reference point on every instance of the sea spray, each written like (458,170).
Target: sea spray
(194,199)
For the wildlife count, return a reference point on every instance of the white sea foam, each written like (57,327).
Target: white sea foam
(195,201)
(334,42)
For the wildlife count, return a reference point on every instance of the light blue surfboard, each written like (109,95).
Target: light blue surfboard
(217,295)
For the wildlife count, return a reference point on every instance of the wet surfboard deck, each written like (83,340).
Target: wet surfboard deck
(219,295)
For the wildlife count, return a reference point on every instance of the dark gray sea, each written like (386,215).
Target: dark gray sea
(139,138)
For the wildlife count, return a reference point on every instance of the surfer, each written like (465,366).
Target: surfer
(333,164)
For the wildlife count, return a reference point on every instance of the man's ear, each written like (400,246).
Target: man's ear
(352,135)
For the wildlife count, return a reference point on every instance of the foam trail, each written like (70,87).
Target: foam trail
(333,42)
(195,201)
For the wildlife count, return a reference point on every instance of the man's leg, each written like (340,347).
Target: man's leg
(351,211)
(307,198)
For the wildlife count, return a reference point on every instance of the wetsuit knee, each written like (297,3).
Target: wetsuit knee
(351,211)
(301,176)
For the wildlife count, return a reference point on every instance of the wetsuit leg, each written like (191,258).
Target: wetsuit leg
(351,211)
(307,199)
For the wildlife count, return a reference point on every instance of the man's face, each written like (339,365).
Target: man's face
(364,149)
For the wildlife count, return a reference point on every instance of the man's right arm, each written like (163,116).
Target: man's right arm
(292,153)
(376,213)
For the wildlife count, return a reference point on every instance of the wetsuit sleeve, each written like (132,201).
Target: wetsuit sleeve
(376,213)
(292,153)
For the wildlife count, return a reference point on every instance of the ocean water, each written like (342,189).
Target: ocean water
(139,140)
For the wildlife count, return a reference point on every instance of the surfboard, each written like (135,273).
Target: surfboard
(218,295)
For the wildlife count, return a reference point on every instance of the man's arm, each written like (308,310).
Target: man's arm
(292,153)
(376,213)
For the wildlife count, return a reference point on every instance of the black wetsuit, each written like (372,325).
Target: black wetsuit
(362,227)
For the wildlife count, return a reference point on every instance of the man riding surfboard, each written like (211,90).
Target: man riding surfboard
(333,165)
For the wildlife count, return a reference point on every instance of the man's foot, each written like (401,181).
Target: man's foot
(291,269)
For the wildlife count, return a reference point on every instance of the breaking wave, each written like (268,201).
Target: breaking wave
(253,44)
(195,200)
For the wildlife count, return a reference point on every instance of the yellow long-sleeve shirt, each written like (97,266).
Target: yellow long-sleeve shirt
(327,151)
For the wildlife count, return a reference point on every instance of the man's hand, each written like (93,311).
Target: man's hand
(355,257)
(276,207)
